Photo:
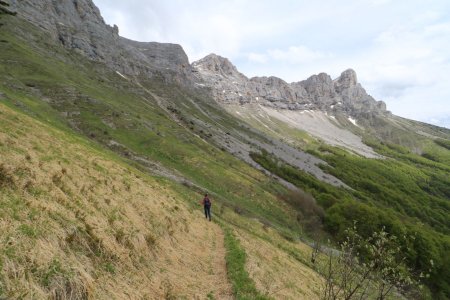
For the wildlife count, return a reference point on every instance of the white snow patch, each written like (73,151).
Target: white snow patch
(332,106)
(339,103)
(240,95)
(257,98)
(330,116)
(120,74)
(200,84)
(353,121)
(238,113)
(223,92)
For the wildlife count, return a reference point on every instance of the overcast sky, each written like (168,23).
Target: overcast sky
(399,49)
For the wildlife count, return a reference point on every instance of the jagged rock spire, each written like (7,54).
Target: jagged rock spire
(229,86)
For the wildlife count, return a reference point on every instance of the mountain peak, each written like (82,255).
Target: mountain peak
(321,92)
(213,56)
(347,79)
(50,14)
(78,25)
(217,64)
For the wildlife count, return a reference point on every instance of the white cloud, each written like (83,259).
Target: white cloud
(258,58)
(291,55)
(297,55)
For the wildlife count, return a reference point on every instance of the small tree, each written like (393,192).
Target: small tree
(374,266)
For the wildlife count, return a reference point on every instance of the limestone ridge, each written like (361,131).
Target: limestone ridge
(78,25)
(318,92)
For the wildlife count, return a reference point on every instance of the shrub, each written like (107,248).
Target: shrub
(310,215)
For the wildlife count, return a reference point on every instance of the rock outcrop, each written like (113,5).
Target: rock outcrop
(79,26)
(318,92)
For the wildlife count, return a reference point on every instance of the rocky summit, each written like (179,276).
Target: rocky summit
(78,25)
(319,92)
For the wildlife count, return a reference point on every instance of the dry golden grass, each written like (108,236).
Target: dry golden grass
(276,273)
(79,224)
(271,263)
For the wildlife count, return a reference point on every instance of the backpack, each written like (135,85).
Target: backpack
(206,201)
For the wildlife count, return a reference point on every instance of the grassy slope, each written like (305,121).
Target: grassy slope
(405,192)
(280,268)
(96,97)
(80,221)
(115,232)
(76,220)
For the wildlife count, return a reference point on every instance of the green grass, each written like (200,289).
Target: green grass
(243,286)
(387,193)
(210,296)
(443,143)
(93,96)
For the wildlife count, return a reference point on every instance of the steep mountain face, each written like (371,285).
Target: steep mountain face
(338,112)
(78,25)
(318,92)
(318,105)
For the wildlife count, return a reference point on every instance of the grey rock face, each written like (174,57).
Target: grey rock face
(78,25)
(355,100)
(320,90)
(229,86)
(346,80)
(223,77)
(272,89)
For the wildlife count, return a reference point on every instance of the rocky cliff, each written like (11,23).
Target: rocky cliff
(319,92)
(79,26)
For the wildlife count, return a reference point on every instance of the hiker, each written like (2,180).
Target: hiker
(207,206)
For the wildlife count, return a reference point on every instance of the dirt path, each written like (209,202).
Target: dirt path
(217,264)
(192,264)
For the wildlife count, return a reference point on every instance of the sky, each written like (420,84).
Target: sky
(400,49)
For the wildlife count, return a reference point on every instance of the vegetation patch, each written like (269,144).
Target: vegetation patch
(443,143)
(386,193)
(243,286)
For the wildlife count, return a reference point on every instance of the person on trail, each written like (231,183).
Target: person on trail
(207,206)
